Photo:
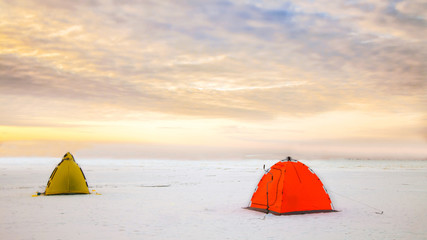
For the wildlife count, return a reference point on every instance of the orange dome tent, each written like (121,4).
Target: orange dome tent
(290,187)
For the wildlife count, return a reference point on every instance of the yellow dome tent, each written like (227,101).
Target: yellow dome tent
(67,178)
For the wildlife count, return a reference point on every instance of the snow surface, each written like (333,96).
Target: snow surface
(169,199)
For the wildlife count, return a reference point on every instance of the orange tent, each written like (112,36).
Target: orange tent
(290,187)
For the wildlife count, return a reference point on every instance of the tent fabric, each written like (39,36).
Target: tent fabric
(290,187)
(67,178)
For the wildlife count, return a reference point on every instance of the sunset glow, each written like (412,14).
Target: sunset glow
(221,79)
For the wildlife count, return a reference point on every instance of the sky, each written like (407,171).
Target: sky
(243,79)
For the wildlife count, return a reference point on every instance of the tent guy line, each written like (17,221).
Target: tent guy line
(288,187)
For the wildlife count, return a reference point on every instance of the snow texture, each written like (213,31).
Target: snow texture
(169,199)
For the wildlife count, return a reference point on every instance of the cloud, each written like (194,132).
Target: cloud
(216,59)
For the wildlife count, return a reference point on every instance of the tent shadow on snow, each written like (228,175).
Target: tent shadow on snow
(290,187)
(67,178)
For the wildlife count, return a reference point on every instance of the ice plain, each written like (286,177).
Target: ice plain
(205,199)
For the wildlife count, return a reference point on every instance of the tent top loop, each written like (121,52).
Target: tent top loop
(289,159)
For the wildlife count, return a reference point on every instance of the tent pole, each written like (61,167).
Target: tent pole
(268,206)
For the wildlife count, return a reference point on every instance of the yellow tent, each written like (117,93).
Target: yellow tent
(67,178)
